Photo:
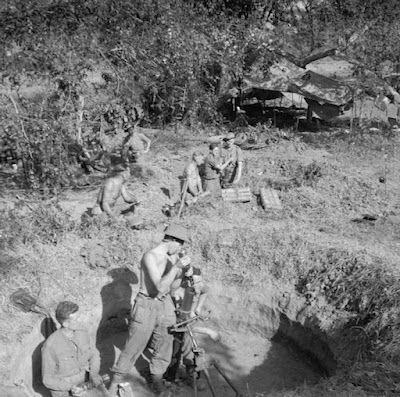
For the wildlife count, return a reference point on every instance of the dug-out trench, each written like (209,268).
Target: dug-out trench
(264,345)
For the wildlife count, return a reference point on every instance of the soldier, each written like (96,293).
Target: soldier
(154,312)
(113,188)
(69,355)
(189,295)
(233,172)
(134,144)
(213,169)
(192,176)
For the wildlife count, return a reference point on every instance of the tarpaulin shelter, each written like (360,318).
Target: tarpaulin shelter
(323,95)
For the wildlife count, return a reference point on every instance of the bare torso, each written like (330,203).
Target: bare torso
(112,188)
(161,264)
(191,173)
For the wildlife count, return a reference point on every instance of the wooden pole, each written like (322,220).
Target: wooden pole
(183,197)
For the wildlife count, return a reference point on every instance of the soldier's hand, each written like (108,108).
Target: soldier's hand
(97,379)
(77,391)
(183,262)
(189,271)
(214,335)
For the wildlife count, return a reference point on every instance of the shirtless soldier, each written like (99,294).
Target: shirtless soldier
(154,312)
(113,188)
(192,176)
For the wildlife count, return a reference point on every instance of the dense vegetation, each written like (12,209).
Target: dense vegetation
(170,58)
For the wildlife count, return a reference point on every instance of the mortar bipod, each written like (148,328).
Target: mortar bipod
(202,365)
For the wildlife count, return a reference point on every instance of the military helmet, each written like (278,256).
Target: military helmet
(177,231)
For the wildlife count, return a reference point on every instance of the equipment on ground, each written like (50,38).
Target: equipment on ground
(237,195)
(89,385)
(183,196)
(269,199)
(125,390)
(202,362)
(22,299)
(26,302)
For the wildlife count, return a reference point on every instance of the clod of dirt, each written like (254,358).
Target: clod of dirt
(95,255)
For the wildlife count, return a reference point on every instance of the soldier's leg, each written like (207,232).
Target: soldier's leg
(173,368)
(162,342)
(140,330)
(190,364)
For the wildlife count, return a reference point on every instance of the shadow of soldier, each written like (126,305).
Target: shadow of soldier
(47,327)
(116,301)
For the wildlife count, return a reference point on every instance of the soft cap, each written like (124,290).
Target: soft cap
(230,136)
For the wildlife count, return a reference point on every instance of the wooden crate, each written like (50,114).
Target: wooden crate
(238,195)
(270,199)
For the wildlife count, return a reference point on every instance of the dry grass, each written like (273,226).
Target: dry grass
(311,245)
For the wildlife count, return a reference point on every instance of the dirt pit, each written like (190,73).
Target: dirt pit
(253,364)
(261,349)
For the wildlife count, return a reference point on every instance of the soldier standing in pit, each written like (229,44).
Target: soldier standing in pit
(113,188)
(189,295)
(233,172)
(69,354)
(154,312)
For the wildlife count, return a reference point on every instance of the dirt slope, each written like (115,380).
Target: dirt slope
(325,185)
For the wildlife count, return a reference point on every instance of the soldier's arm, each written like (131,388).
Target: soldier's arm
(198,182)
(217,166)
(239,168)
(147,141)
(193,189)
(238,173)
(163,282)
(202,299)
(128,197)
(199,185)
(214,335)
(224,165)
(94,363)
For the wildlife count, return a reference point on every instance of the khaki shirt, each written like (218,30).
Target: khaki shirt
(235,153)
(64,359)
(210,172)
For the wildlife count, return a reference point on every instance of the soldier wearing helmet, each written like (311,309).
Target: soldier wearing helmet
(154,312)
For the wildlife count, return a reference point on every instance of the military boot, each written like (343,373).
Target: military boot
(191,373)
(113,389)
(157,384)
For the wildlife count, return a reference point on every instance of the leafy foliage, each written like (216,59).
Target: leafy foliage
(169,58)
